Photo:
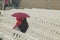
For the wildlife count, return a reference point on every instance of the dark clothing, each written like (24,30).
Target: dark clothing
(1,39)
(24,26)
(5,6)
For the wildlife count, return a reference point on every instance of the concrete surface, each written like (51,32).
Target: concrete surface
(44,24)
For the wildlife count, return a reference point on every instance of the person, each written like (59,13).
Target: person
(5,4)
(15,3)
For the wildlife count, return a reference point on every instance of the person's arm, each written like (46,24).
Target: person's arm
(16,25)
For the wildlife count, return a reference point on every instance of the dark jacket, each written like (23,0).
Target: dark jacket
(24,26)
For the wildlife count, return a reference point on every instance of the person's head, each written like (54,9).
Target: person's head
(24,20)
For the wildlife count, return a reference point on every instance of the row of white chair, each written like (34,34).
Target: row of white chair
(32,33)
(8,31)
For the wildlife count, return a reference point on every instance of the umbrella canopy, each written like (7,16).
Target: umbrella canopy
(20,14)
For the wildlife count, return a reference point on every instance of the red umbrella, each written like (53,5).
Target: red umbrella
(20,14)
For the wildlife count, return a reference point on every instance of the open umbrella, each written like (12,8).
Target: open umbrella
(20,14)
